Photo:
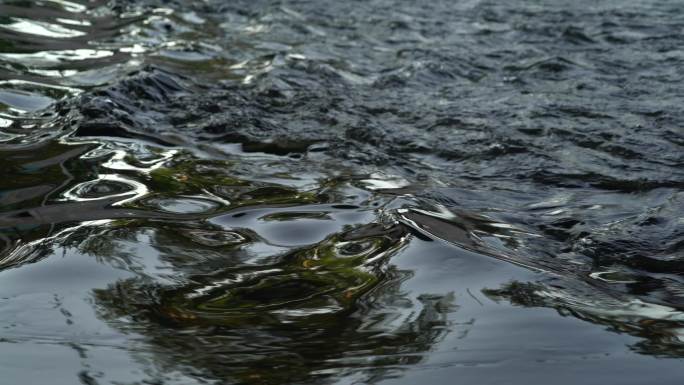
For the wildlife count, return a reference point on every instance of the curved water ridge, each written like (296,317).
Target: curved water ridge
(309,192)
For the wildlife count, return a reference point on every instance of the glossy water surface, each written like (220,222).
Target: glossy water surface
(341,192)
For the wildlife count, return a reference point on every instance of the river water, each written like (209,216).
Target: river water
(326,192)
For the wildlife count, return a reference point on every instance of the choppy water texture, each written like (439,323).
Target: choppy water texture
(399,192)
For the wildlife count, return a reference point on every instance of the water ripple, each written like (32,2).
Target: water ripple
(322,192)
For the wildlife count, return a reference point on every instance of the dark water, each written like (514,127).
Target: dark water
(275,192)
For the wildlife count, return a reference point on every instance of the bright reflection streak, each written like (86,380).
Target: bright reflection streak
(34,85)
(74,22)
(69,6)
(117,162)
(41,28)
(56,57)
(136,188)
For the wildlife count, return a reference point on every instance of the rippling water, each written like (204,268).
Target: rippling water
(267,192)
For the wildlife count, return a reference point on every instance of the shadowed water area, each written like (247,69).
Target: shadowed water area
(327,192)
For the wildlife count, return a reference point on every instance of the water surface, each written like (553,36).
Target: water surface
(268,192)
